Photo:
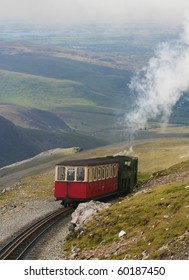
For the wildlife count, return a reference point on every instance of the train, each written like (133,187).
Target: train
(83,180)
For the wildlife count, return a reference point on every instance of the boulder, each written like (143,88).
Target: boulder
(85,212)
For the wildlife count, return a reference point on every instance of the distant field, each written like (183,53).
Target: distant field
(67,82)
(40,92)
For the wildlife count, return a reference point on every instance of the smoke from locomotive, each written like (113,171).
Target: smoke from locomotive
(160,85)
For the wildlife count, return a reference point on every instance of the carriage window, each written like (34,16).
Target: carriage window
(70,174)
(103,172)
(128,163)
(107,172)
(94,174)
(99,173)
(61,173)
(90,175)
(114,170)
(80,174)
(110,171)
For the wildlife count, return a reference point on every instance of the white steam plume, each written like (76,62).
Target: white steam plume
(161,84)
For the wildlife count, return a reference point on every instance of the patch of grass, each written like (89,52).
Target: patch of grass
(158,154)
(29,188)
(41,92)
(151,220)
(50,82)
(143,177)
(26,192)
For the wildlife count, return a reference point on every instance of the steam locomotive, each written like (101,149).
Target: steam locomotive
(95,178)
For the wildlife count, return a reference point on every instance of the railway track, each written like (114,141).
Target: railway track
(19,246)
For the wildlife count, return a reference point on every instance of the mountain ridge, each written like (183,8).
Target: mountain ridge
(20,143)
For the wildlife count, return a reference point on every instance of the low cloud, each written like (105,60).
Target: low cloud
(93,11)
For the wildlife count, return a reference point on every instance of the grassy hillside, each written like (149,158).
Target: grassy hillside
(33,118)
(60,79)
(13,145)
(40,92)
(154,222)
(86,104)
(162,153)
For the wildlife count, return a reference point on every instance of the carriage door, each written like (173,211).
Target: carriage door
(124,177)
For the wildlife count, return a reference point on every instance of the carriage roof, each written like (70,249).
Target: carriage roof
(97,161)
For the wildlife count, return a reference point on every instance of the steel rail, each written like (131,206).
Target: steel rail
(15,249)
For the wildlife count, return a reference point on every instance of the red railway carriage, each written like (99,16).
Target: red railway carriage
(82,180)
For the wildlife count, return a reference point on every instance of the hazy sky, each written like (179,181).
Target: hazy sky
(94,11)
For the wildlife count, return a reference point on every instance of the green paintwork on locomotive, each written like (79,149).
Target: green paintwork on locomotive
(127,175)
